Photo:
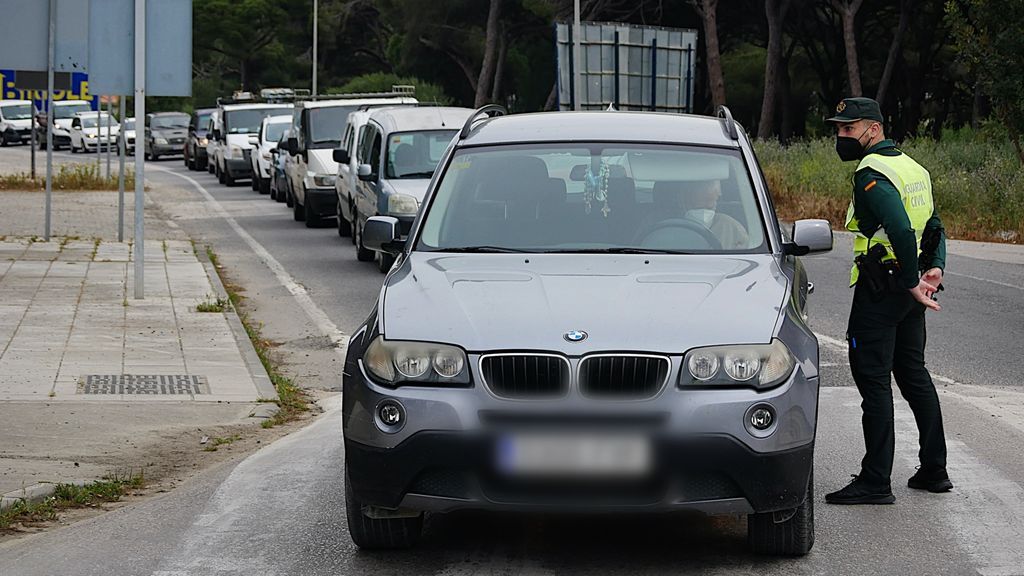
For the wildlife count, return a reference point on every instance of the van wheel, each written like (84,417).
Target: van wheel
(379,533)
(362,254)
(298,210)
(254,183)
(264,186)
(312,219)
(791,537)
(385,262)
(229,180)
(344,228)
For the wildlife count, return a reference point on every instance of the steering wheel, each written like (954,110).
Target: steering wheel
(692,225)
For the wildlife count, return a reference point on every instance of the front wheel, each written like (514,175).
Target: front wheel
(298,210)
(363,254)
(379,533)
(384,262)
(312,219)
(774,534)
(344,228)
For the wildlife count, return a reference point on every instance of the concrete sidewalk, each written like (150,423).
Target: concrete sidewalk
(91,379)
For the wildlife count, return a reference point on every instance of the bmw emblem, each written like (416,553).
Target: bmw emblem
(575,336)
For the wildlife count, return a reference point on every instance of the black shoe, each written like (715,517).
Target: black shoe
(934,480)
(860,492)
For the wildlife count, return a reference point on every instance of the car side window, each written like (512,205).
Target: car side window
(365,138)
(375,153)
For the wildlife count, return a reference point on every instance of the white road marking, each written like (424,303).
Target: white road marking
(298,291)
(980,279)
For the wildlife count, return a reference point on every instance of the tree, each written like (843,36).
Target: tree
(240,31)
(708,11)
(775,10)
(990,38)
(848,10)
(491,42)
(894,49)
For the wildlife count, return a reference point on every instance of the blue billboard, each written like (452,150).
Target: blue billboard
(79,90)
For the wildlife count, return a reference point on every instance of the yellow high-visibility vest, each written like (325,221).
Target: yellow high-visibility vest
(914,184)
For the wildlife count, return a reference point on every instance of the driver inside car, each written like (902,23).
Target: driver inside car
(697,201)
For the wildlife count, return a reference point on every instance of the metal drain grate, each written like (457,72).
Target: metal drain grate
(143,384)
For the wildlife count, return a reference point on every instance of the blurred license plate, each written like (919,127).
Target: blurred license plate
(574,455)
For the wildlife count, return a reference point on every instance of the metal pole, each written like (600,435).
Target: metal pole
(121,145)
(49,116)
(110,120)
(315,36)
(140,114)
(576,55)
(32,135)
(99,134)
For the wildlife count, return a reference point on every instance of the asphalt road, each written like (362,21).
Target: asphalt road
(281,511)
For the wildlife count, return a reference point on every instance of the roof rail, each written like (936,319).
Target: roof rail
(397,91)
(727,122)
(490,110)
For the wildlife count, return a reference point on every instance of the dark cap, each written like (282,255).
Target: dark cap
(853,109)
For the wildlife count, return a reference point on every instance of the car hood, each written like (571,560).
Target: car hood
(26,123)
(417,188)
(240,140)
(321,161)
(169,133)
(656,303)
(92,131)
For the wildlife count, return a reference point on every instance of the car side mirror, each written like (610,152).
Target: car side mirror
(810,237)
(292,145)
(365,173)
(215,134)
(254,141)
(341,156)
(382,234)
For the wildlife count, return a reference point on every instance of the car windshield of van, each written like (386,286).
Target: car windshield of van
(69,111)
(169,122)
(90,121)
(247,121)
(416,154)
(18,112)
(595,198)
(129,124)
(202,120)
(326,125)
(275,130)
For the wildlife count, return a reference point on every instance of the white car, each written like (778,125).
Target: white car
(64,112)
(234,124)
(263,143)
(15,121)
(129,136)
(89,130)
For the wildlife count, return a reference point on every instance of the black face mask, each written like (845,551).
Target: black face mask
(850,148)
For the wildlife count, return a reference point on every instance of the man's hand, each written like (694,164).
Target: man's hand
(933,277)
(923,293)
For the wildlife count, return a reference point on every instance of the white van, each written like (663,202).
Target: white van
(16,121)
(234,123)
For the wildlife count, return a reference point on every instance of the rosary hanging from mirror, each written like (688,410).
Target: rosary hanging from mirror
(595,188)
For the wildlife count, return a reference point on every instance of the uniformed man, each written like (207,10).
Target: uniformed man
(900,252)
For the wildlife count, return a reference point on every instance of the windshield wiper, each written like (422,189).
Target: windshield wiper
(617,251)
(417,175)
(484,249)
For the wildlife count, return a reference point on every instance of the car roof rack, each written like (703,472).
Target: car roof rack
(727,122)
(397,91)
(488,111)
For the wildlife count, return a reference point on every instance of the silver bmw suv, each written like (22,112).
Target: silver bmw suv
(592,311)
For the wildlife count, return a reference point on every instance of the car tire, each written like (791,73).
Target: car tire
(313,220)
(288,198)
(344,228)
(791,537)
(379,533)
(264,185)
(298,210)
(384,262)
(362,254)
(254,183)
(229,180)
(210,166)
(3,140)
(220,174)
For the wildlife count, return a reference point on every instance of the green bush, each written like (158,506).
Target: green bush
(68,177)
(382,82)
(977,180)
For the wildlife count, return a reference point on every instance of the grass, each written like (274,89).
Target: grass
(215,442)
(291,400)
(977,180)
(66,496)
(212,305)
(67,177)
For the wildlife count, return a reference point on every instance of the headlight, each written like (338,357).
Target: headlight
(235,152)
(90,136)
(161,141)
(203,141)
(760,365)
(394,362)
(402,205)
(324,179)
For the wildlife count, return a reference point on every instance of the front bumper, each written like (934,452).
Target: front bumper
(166,149)
(18,134)
(239,168)
(323,201)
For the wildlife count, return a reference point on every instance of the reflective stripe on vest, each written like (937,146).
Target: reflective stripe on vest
(913,183)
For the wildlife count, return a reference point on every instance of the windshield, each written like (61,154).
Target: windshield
(202,120)
(596,198)
(326,125)
(275,130)
(69,111)
(19,112)
(129,124)
(247,121)
(169,122)
(416,154)
(90,121)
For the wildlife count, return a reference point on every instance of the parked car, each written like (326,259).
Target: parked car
(400,150)
(279,179)
(128,131)
(195,142)
(263,143)
(165,134)
(212,145)
(318,126)
(563,330)
(63,113)
(92,130)
(233,123)
(16,121)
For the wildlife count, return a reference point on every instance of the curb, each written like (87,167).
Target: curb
(33,494)
(259,375)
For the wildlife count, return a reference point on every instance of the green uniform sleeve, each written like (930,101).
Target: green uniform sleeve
(879,205)
(935,223)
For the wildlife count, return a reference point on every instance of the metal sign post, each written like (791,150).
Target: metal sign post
(110,120)
(49,117)
(576,31)
(99,133)
(315,32)
(140,179)
(121,146)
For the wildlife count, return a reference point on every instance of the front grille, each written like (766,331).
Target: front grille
(526,376)
(623,377)
(697,486)
(442,482)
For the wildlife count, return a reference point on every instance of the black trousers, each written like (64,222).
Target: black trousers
(886,334)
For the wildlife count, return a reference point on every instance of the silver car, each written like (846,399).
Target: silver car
(591,311)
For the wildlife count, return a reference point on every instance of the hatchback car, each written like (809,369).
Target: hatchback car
(165,134)
(90,130)
(592,310)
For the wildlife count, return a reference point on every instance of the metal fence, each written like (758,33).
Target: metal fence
(630,67)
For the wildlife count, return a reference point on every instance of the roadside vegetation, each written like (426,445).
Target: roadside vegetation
(84,177)
(291,400)
(66,496)
(977,179)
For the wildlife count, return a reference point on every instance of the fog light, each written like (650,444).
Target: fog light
(390,413)
(762,418)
